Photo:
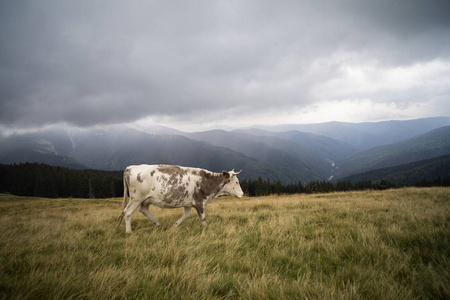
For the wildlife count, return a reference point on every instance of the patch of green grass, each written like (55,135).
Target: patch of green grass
(360,245)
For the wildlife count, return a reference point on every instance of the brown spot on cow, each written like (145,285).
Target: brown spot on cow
(172,170)
(175,173)
(152,172)
(176,195)
(208,185)
(139,178)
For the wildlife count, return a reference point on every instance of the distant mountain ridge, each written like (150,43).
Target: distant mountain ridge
(369,134)
(289,156)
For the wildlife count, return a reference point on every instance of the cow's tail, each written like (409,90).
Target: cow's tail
(126,199)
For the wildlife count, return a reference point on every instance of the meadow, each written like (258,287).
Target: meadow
(392,244)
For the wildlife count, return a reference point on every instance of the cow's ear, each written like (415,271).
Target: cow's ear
(226,174)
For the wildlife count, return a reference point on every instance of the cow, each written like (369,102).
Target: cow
(168,186)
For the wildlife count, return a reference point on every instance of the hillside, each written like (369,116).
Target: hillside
(51,146)
(117,147)
(318,145)
(307,153)
(408,174)
(433,144)
(369,134)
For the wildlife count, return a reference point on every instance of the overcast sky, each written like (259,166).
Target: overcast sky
(193,64)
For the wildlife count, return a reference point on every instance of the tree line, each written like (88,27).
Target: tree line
(41,180)
(260,187)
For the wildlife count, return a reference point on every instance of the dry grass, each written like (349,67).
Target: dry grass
(360,245)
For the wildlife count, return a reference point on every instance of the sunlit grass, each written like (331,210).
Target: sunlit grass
(360,245)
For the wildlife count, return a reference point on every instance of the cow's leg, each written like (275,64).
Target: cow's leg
(146,212)
(129,211)
(187,212)
(201,212)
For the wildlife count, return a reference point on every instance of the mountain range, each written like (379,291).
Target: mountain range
(289,153)
(369,134)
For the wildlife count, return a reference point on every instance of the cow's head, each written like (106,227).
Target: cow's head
(232,187)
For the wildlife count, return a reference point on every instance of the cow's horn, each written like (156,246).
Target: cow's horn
(238,172)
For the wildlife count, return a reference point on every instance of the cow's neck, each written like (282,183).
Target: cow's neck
(213,186)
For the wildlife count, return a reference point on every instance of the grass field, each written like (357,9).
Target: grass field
(392,244)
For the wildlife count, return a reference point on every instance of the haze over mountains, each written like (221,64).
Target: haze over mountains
(288,153)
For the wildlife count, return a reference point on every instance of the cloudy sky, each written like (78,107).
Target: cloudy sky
(194,64)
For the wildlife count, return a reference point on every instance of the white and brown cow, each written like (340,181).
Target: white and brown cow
(173,186)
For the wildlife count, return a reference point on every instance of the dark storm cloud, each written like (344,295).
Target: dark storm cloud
(103,62)
(403,31)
